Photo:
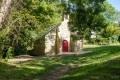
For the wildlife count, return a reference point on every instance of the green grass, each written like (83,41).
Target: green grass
(102,63)
(28,70)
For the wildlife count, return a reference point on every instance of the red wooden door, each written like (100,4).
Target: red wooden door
(65,46)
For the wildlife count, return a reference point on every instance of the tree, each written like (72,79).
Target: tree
(117,17)
(87,16)
(109,31)
(28,20)
(4,7)
(109,13)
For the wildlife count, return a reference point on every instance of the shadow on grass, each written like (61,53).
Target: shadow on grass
(99,59)
(28,70)
(109,70)
(103,63)
(8,72)
(103,49)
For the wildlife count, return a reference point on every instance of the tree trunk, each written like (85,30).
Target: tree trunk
(4,8)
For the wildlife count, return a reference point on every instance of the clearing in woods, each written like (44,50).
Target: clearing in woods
(101,63)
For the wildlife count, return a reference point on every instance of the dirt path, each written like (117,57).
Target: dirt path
(21,58)
(55,74)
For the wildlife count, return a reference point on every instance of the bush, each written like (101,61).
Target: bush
(99,40)
(113,39)
(92,40)
(20,49)
(10,52)
(4,42)
(104,41)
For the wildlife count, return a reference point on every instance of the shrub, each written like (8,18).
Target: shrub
(114,39)
(99,40)
(4,42)
(20,49)
(92,40)
(10,52)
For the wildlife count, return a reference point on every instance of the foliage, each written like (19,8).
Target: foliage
(92,40)
(108,35)
(4,42)
(93,15)
(117,17)
(109,31)
(87,16)
(10,52)
(74,37)
(4,37)
(99,40)
(28,20)
(109,13)
(113,39)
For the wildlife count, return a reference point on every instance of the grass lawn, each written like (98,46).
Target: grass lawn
(102,63)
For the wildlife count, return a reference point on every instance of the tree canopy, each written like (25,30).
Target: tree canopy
(90,15)
(27,21)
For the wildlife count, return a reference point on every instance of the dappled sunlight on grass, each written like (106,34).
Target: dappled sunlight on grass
(27,70)
(35,67)
(101,71)
(100,64)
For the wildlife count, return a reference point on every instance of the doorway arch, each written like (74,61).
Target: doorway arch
(65,46)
